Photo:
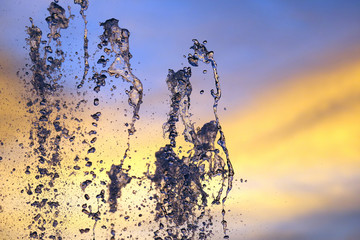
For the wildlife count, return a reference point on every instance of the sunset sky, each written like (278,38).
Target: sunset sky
(290,110)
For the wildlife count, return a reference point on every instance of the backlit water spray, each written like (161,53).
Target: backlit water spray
(181,198)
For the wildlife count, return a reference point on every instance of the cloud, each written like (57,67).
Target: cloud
(316,115)
(326,225)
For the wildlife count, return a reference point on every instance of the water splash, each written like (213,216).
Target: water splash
(181,180)
(56,21)
(201,53)
(120,67)
(180,87)
(47,131)
(119,179)
(84,4)
(119,41)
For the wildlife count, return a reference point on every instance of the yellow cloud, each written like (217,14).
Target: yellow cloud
(298,146)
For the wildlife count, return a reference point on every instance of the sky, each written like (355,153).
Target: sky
(290,78)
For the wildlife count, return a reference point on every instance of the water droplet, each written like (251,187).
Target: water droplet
(91,150)
(96,116)
(48,49)
(193,61)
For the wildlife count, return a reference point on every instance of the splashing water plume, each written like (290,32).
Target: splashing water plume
(46,132)
(182,181)
(181,198)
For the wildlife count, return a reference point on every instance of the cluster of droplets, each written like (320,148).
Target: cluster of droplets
(180,87)
(56,21)
(118,39)
(47,130)
(84,4)
(227,172)
(181,200)
(120,67)
(89,210)
(181,181)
